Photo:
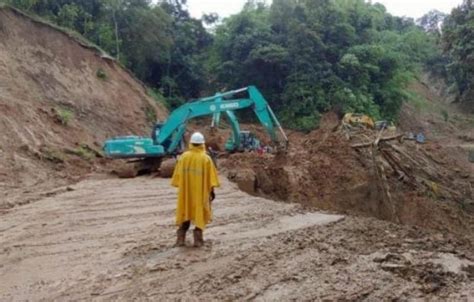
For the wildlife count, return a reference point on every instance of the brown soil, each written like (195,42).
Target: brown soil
(404,182)
(55,111)
(442,122)
(112,240)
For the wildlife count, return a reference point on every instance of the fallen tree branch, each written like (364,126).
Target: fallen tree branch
(382,139)
(383,184)
(398,168)
(379,136)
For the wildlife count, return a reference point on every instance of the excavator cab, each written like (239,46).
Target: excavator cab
(156,131)
(248,142)
(155,134)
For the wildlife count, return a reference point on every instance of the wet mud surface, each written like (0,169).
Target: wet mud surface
(112,239)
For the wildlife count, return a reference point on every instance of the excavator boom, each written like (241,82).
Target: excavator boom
(167,137)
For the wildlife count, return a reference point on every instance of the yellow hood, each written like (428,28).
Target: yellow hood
(201,147)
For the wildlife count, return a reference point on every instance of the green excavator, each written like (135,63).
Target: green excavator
(167,137)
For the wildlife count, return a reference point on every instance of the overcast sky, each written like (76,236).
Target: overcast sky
(410,8)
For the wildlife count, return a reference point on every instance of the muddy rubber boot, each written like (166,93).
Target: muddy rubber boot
(181,240)
(198,238)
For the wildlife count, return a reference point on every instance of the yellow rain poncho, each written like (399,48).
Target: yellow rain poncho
(195,175)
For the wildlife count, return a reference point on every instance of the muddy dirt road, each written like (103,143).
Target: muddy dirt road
(111,239)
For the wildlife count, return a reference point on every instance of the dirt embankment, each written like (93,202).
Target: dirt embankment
(59,100)
(442,121)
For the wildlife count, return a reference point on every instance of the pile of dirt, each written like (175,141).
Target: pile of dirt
(59,100)
(400,181)
(316,166)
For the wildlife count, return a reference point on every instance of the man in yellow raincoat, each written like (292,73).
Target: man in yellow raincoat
(196,177)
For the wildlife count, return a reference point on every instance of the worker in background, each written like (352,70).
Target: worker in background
(213,154)
(195,176)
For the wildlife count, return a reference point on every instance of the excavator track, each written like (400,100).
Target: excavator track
(139,167)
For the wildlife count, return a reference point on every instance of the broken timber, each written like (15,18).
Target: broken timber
(382,139)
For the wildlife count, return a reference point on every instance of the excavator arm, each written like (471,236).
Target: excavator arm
(168,136)
(176,123)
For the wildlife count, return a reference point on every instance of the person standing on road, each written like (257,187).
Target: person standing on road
(195,176)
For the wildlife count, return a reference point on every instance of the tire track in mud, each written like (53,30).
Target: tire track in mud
(60,239)
(113,240)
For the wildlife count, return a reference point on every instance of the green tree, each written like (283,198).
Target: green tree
(310,56)
(183,74)
(432,21)
(458,42)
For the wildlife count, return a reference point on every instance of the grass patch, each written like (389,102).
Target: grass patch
(470,121)
(457,118)
(64,115)
(82,152)
(158,97)
(150,115)
(418,101)
(471,156)
(101,74)
(52,155)
(85,152)
(445,115)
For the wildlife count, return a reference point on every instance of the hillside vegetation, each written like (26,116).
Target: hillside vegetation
(307,56)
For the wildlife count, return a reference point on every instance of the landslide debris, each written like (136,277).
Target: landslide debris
(60,98)
(337,167)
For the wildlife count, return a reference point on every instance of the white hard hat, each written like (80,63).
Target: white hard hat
(197,138)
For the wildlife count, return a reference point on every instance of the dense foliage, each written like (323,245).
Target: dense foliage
(458,43)
(307,56)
